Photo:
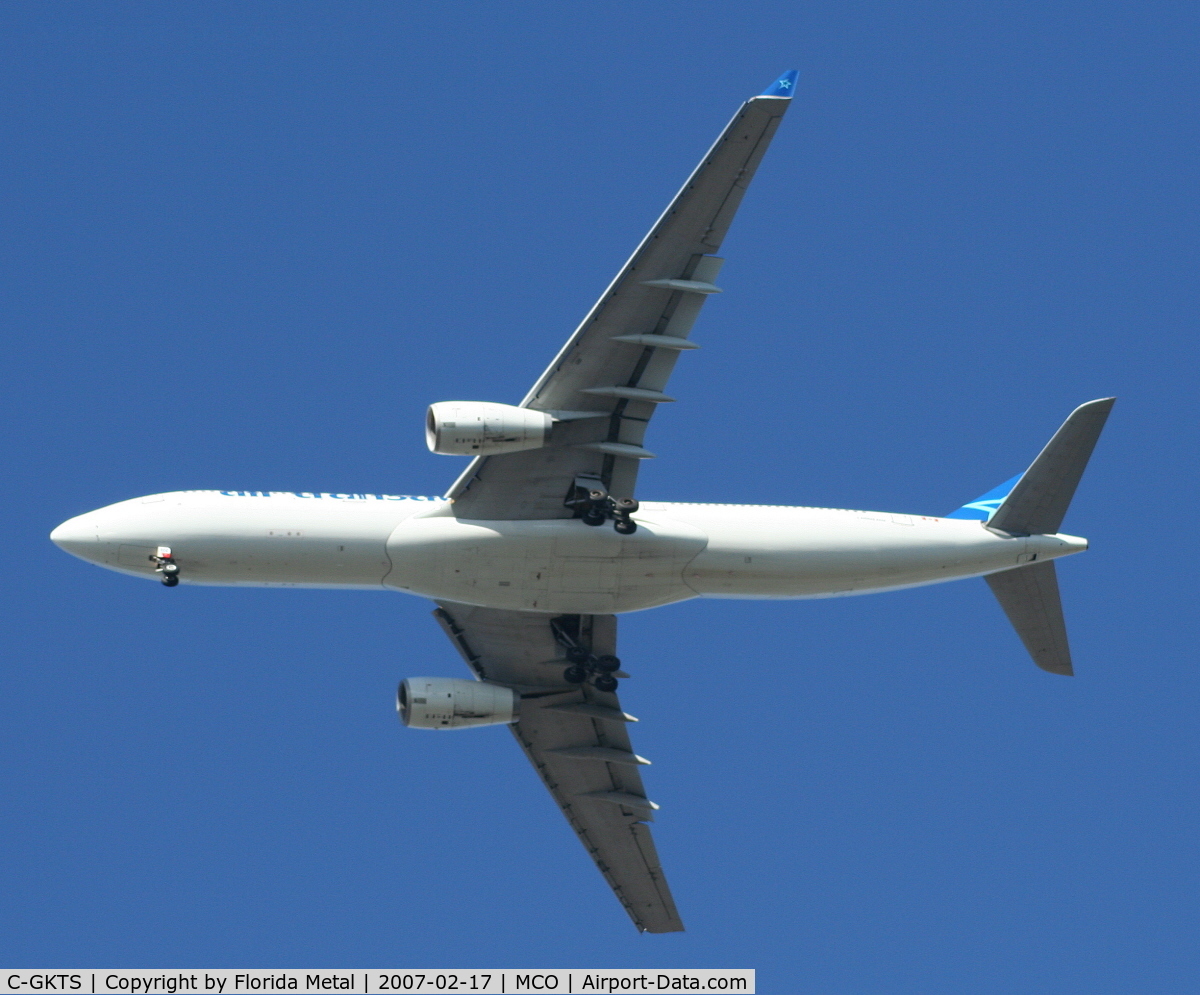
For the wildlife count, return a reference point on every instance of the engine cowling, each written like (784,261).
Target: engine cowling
(450,703)
(475,428)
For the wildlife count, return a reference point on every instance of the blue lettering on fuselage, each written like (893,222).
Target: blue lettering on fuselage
(332,497)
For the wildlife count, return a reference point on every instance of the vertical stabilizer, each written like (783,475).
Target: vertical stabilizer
(1038,502)
(1029,597)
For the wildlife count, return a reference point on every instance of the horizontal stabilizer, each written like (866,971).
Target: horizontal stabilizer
(1029,597)
(1038,502)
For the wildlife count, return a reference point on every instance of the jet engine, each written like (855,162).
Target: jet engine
(477,428)
(449,703)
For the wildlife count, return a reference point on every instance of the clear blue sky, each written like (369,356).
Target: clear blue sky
(246,245)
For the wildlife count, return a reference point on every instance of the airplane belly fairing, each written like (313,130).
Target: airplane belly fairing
(544,566)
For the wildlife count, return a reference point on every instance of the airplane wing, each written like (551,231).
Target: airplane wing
(576,738)
(610,376)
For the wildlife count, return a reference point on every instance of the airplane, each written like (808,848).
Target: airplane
(540,543)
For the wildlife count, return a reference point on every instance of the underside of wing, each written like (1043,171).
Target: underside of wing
(576,738)
(612,373)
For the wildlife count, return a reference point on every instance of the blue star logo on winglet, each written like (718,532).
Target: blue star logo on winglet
(783,86)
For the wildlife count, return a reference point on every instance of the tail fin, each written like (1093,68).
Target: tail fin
(1039,500)
(1034,504)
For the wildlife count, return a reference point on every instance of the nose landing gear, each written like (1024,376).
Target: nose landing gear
(166,566)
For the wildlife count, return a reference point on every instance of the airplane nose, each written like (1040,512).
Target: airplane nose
(76,535)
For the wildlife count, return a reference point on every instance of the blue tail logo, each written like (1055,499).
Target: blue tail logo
(783,86)
(984,506)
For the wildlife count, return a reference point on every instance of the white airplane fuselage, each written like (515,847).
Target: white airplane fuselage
(417,545)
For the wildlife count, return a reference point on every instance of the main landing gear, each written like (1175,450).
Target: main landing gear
(165,566)
(584,665)
(596,506)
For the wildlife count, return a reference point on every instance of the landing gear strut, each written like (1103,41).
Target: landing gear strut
(584,665)
(165,566)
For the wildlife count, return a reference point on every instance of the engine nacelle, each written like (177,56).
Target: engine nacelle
(475,428)
(450,703)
